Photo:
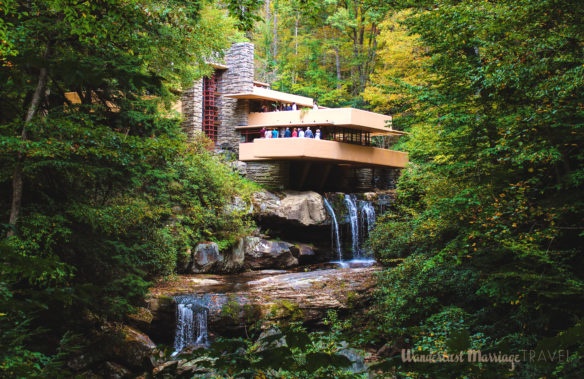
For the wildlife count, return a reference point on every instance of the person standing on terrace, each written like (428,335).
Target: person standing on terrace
(275,133)
(308,133)
(294,133)
(300,133)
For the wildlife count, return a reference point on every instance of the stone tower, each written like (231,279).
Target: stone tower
(206,110)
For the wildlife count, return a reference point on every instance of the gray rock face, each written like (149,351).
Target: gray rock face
(304,208)
(250,296)
(263,254)
(120,351)
(253,253)
(206,257)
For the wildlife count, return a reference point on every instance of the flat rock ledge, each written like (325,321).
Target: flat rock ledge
(269,294)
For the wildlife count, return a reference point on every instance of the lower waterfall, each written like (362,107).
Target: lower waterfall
(191,322)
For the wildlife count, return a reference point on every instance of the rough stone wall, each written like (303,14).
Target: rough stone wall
(380,178)
(238,78)
(274,175)
(192,109)
(364,179)
(386,178)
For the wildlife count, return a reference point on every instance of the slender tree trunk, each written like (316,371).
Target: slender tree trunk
(17,177)
(296,22)
(338,66)
(275,32)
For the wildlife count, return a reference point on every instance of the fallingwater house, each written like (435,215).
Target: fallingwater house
(233,110)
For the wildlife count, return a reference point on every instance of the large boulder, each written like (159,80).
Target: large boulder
(117,351)
(207,258)
(266,254)
(301,207)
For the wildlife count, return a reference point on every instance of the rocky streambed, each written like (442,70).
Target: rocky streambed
(236,301)
(262,279)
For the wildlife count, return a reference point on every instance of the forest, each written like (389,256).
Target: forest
(481,250)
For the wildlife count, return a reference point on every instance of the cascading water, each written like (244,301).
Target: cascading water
(367,216)
(335,237)
(191,322)
(361,218)
(367,220)
(354,222)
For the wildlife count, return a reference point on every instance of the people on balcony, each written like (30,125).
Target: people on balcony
(287,133)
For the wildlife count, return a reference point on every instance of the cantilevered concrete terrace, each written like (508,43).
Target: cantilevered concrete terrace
(345,139)
(320,150)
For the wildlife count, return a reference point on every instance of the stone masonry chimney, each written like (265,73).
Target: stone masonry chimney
(238,77)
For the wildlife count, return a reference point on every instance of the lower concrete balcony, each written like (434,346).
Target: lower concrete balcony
(309,149)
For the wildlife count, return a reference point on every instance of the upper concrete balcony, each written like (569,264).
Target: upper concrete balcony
(350,118)
(309,149)
(262,93)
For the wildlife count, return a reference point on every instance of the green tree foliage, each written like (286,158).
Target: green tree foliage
(281,351)
(325,50)
(246,12)
(399,71)
(488,221)
(101,192)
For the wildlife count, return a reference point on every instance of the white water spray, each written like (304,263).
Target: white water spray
(335,237)
(191,323)
(354,222)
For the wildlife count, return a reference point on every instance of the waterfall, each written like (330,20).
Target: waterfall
(191,322)
(361,218)
(335,238)
(367,216)
(354,222)
(367,220)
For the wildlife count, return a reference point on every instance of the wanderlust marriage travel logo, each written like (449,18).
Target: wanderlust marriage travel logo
(477,356)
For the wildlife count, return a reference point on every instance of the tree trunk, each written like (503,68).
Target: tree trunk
(275,33)
(338,66)
(17,178)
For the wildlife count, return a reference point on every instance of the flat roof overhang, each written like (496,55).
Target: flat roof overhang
(261,93)
(310,149)
(350,118)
